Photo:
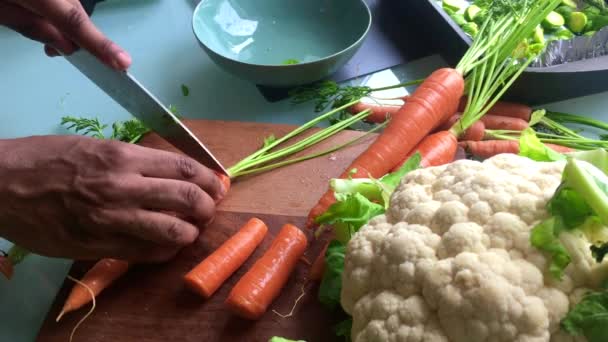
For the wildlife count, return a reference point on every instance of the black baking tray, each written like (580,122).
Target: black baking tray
(537,85)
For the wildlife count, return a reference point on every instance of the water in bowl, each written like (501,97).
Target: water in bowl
(275,32)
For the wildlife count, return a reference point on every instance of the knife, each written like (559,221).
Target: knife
(130,94)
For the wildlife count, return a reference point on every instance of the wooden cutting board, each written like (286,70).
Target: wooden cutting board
(150,304)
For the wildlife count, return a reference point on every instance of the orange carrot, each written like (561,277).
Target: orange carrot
(475,133)
(503,122)
(6,267)
(318,267)
(213,271)
(560,148)
(254,292)
(489,148)
(503,108)
(432,102)
(436,149)
(225,180)
(378,112)
(98,278)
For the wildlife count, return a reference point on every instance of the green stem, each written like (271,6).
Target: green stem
(308,157)
(293,133)
(558,127)
(577,119)
(298,146)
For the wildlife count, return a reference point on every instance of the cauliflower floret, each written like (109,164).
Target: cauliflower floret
(452,258)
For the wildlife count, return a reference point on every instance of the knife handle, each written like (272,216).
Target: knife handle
(89,5)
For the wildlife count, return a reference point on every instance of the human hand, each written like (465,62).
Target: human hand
(63,26)
(84,198)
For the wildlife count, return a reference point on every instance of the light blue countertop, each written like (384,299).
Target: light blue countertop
(37,91)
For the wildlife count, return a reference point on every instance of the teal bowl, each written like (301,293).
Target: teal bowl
(281,43)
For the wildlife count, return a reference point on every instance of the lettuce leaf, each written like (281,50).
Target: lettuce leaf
(331,284)
(530,146)
(545,238)
(349,214)
(589,317)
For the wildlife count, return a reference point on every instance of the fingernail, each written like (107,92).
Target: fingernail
(122,61)
(210,221)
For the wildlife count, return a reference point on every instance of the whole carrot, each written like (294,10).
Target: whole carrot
(6,267)
(98,278)
(433,101)
(254,292)
(503,122)
(318,267)
(489,148)
(378,112)
(436,149)
(213,271)
(503,108)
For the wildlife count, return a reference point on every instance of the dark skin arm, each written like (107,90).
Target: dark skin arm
(84,198)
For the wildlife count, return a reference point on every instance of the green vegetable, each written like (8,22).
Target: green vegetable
(580,202)
(329,94)
(283,339)
(599,251)
(569,3)
(570,207)
(577,22)
(471,29)
(592,11)
(130,131)
(459,19)
(589,33)
(471,12)
(599,22)
(589,318)
(16,254)
(331,284)
(85,126)
(349,214)
(454,5)
(481,17)
(530,146)
(185,90)
(564,34)
(290,61)
(553,21)
(544,237)
(599,4)
(565,11)
(591,184)
(539,35)
(344,328)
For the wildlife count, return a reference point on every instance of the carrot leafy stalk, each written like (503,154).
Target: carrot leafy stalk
(329,94)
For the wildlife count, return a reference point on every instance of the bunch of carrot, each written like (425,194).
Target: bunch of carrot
(483,138)
(486,71)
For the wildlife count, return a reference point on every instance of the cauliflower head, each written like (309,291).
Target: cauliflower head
(451,259)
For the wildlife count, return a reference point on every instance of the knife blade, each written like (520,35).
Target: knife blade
(137,100)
